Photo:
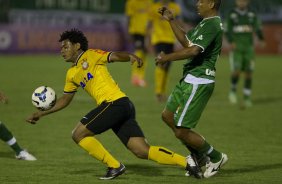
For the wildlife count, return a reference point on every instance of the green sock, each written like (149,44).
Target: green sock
(7,137)
(195,152)
(214,155)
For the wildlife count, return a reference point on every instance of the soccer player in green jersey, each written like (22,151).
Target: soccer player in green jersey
(241,24)
(7,136)
(202,46)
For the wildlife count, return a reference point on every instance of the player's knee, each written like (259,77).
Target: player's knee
(165,118)
(74,136)
(77,135)
(141,153)
(80,132)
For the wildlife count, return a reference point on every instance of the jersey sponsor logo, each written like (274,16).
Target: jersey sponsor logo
(210,72)
(199,37)
(88,77)
(85,65)
(243,29)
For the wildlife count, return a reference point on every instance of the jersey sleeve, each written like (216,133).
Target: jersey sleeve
(206,35)
(228,28)
(100,56)
(258,28)
(70,86)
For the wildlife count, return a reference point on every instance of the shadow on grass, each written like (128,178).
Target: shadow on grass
(135,169)
(144,170)
(267,100)
(254,168)
(7,155)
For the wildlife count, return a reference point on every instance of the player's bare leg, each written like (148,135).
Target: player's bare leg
(139,147)
(198,143)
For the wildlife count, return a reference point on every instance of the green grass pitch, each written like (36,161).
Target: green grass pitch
(251,137)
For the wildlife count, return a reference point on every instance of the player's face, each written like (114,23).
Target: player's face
(69,51)
(242,4)
(203,7)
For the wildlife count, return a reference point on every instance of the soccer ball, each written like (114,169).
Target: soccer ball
(43,98)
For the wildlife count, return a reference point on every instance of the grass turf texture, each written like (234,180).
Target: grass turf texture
(251,137)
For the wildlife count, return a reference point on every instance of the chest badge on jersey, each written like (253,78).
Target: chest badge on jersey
(85,65)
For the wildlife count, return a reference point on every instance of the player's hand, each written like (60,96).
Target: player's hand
(3,98)
(34,117)
(161,58)
(134,58)
(166,13)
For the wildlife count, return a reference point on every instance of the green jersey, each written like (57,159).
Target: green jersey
(208,36)
(240,27)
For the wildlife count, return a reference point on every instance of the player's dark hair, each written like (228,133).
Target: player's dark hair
(217,4)
(75,36)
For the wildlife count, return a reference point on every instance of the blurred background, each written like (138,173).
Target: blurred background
(33,26)
(29,57)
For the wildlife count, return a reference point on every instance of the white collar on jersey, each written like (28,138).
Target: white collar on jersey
(211,17)
(78,57)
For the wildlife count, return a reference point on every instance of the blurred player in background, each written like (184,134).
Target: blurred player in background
(163,40)
(7,136)
(241,24)
(114,111)
(137,12)
(201,47)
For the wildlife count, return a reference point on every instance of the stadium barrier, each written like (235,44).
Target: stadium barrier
(28,39)
(112,37)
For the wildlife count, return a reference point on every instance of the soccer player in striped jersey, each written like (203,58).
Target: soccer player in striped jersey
(7,136)
(114,111)
(241,24)
(201,47)
(162,39)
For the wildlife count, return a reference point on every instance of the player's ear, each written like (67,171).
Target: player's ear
(212,4)
(77,46)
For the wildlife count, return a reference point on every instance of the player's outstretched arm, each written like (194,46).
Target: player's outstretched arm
(178,31)
(61,103)
(125,57)
(184,53)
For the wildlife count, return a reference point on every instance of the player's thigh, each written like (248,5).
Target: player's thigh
(236,60)
(248,61)
(128,126)
(138,41)
(104,117)
(175,99)
(194,101)
(127,130)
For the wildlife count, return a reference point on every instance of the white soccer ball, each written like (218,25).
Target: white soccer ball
(43,98)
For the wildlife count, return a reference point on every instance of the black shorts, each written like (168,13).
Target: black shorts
(118,115)
(138,41)
(166,48)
